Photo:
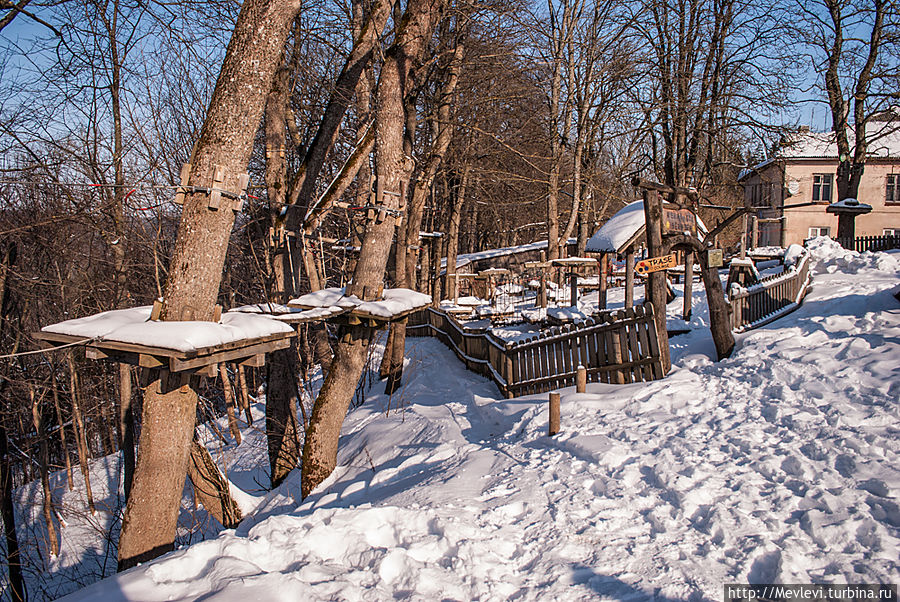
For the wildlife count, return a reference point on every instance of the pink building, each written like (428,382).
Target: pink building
(804,170)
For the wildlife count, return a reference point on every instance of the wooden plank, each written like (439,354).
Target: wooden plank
(634,351)
(179,365)
(625,352)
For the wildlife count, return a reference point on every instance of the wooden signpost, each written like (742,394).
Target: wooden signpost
(656,264)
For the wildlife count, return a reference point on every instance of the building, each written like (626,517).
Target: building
(804,170)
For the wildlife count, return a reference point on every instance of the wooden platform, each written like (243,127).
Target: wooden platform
(247,352)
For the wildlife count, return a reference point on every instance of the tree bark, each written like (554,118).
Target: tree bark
(281,413)
(230,404)
(13,559)
(211,487)
(84,456)
(44,455)
(126,427)
(226,141)
(62,433)
(393,169)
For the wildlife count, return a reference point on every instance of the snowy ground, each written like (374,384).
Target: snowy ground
(779,464)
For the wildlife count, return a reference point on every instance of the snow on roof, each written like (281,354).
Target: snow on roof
(290,315)
(625,225)
(467,258)
(134,326)
(395,301)
(883,143)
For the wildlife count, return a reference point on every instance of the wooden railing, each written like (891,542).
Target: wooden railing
(615,347)
(771,297)
(869,243)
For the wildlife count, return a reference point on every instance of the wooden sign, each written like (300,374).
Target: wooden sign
(655,264)
(715,258)
(679,221)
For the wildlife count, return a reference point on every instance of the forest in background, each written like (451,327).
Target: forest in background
(525,121)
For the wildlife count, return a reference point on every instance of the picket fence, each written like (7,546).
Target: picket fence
(615,347)
(771,297)
(869,243)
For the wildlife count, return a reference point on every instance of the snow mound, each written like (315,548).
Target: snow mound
(831,257)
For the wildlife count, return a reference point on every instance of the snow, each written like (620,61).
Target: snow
(780,464)
(134,326)
(882,143)
(395,301)
(621,228)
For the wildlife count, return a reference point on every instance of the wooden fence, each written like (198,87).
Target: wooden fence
(869,243)
(614,347)
(771,297)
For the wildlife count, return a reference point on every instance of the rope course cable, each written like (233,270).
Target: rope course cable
(37,351)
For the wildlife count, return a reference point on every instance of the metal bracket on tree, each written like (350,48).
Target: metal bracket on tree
(215,191)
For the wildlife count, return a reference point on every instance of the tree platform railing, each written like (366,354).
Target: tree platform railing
(771,297)
(615,347)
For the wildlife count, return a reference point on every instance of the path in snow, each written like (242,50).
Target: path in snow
(776,465)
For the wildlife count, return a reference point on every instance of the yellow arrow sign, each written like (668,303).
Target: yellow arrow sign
(655,264)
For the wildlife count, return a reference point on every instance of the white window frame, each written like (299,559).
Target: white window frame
(891,232)
(819,231)
(892,189)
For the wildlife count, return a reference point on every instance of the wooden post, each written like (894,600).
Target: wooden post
(573,289)
(754,226)
(629,277)
(581,380)
(604,277)
(688,285)
(542,301)
(744,236)
(656,281)
(554,414)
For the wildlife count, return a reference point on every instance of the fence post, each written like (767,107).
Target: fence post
(554,414)
(581,380)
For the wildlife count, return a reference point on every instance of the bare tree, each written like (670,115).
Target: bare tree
(854,48)
(393,169)
(253,56)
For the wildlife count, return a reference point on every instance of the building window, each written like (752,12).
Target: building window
(819,231)
(892,189)
(822,187)
(892,231)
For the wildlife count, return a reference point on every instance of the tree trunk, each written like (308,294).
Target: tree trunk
(13,559)
(126,427)
(244,394)
(62,433)
(230,404)
(281,413)
(226,141)
(80,438)
(392,172)
(211,487)
(47,505)
(451,285)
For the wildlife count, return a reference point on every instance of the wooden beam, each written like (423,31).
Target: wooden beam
(690,193)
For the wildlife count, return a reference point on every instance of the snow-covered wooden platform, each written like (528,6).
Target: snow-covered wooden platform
(395,304)
(130,336)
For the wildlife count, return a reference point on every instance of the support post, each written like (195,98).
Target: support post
(656,281)
(688,285)
(581,380)
(629,278)
(573,289)
(604,280)
(554,414)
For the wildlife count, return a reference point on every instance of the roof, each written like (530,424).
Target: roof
(623,229)
(883,139)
